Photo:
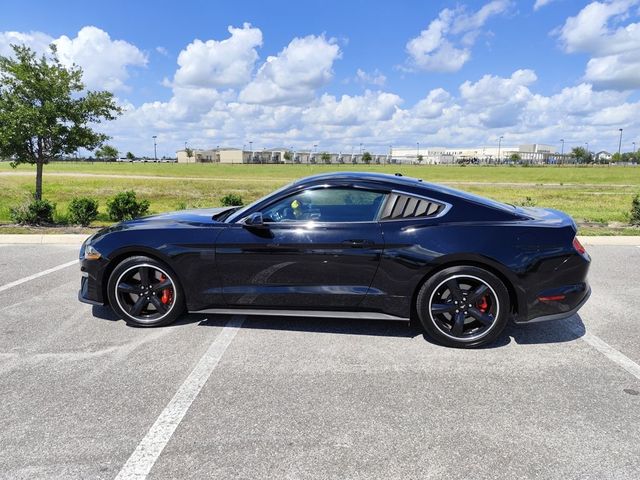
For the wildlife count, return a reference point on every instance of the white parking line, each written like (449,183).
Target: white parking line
(612,354)
(15,283)
(150,447)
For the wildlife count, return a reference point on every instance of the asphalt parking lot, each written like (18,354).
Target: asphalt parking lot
(85,396)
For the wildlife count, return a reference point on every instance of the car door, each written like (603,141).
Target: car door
(316,249)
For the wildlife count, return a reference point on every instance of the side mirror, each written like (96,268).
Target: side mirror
(254,220)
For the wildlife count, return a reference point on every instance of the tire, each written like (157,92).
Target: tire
(150,299)
(471,315)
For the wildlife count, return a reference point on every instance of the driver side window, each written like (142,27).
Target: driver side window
(326,205)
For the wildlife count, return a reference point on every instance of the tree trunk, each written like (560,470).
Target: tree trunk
(39,166)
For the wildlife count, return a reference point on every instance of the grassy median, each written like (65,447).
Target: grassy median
(599,198)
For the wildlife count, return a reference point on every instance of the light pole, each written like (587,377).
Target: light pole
(588,157)
(250,151)
(315,145)
(417,150)
(499,146)
(562,148)
(155,149)
(619,143)
(634,147)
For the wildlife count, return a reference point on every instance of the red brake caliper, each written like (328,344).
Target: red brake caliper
(483,305)
(167,293)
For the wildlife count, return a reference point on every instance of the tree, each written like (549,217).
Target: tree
(366,158)
(130,156)
(287,156)
(581,155)
(189,153)
(420,158)
(515,157)
(326,158)
(107,152)
(44,111)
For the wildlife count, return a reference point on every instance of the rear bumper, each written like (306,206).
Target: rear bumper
(566,312)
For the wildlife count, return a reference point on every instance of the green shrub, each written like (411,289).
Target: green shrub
(528,202)
(635,211)
(125,206)
(83,211)
(231,200)
(33,212)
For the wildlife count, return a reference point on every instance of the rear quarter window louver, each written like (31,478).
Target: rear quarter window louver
(405,206)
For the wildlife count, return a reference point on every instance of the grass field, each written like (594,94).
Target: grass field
(599,198)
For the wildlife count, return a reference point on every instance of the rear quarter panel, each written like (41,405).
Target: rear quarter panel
(526,255)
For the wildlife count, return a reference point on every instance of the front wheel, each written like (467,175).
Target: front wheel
(145,292)
(463,306)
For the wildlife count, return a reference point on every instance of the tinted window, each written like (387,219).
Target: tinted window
(326,205)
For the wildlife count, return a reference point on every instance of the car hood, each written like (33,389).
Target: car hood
(182,218)
(198,216)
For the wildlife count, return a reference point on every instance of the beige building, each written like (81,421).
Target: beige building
(197,156)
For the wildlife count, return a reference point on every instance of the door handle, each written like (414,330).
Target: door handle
(357,243)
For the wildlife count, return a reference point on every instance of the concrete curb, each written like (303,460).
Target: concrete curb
(40,239)
(604,240)
(77,239)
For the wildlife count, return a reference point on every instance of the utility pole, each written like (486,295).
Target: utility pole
(155,150)
(499,146)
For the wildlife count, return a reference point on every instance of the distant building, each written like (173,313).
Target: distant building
(603,156)
(534,153)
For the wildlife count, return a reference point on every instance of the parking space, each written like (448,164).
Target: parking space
(311,398)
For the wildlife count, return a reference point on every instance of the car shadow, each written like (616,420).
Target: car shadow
(559,331)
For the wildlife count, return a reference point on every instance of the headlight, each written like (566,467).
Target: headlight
(91,253)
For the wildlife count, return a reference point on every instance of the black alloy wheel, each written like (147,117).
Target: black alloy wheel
(463,306)
(145,292)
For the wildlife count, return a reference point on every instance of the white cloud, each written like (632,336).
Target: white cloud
(373,78)
(445,45)
(541,3)
(36,40)
(104,61)
(224,63)
(598,30)
(162,51)
(353,110)
(295,73)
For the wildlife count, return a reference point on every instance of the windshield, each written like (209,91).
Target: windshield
(238,214)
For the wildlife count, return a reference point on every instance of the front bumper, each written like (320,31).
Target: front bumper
(91,288)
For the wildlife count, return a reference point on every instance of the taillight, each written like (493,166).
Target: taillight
(578,246)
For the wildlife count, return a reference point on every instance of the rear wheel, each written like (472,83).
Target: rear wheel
(145,292)
(463,306)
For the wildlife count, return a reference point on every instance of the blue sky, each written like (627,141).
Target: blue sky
(345,72)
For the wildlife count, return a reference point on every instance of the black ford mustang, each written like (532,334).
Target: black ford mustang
(347,245)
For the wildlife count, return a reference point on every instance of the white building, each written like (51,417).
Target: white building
(435,155)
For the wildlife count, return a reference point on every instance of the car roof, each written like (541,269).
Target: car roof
(396,179)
